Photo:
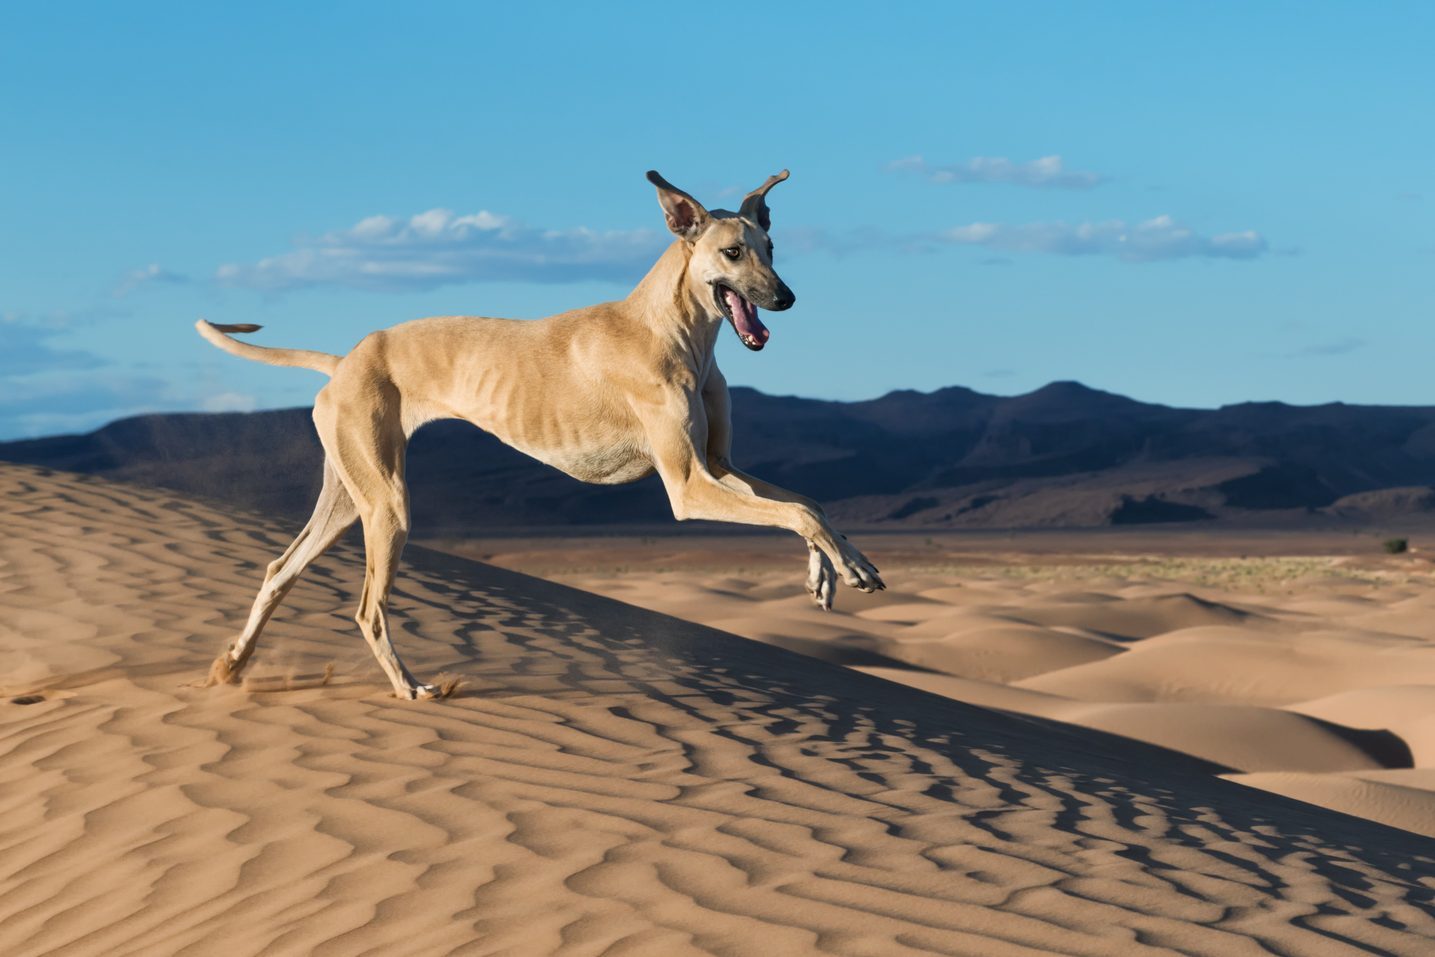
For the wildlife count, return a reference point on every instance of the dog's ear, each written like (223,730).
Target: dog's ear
(754,204)
(686,216)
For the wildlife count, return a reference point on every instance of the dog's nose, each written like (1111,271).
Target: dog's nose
(783,299)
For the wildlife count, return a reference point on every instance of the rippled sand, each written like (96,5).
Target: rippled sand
(1312,676)
(611,781)
(1308,674)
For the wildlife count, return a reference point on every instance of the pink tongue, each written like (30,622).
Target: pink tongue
(744,316)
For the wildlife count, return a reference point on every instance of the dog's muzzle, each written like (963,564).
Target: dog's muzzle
(743,315)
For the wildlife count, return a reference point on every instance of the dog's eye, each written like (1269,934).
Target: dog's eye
(732,252)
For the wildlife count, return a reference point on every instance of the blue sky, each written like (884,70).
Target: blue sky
(1194,204)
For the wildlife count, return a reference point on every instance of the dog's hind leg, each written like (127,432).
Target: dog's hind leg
(368,452)
(386,528)
(334,512)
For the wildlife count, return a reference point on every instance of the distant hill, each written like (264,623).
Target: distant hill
(1064,455)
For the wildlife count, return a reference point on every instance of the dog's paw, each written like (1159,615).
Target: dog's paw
(821,577)
(447,687)
(857,571)
(223,671)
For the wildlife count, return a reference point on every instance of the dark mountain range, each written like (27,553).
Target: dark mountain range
(1062,455)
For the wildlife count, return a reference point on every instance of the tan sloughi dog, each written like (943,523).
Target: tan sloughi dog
(608,394)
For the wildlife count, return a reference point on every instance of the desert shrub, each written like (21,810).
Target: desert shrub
(1396,546)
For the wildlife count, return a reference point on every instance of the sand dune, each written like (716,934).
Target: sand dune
(1000,652)
(1223,664)
(1140,617)
(1400,798)
(1241,737)
(1300,668)
(611,781)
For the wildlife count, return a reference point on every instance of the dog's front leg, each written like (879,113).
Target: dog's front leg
(696,493)
(701,496)
(821,575)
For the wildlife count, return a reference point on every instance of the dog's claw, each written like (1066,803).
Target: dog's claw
(857,572)
(821,577)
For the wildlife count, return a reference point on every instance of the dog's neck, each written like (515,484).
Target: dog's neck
(667,303)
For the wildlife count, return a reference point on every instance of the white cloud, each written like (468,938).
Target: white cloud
(229,402)
(149,275)
(1048,172)
(1154,239)
(438,247)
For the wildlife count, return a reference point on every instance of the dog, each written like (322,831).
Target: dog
(608,394)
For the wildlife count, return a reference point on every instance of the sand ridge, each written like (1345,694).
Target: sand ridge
(612,781)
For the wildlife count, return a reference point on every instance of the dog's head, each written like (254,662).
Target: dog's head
(731,260)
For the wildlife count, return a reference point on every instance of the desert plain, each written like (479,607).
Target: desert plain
(1116,742)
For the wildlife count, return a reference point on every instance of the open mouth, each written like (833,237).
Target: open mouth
(743,316)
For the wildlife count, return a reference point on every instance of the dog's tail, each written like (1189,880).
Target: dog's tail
(302,358)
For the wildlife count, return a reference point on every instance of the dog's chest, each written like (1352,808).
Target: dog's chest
(606,465)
